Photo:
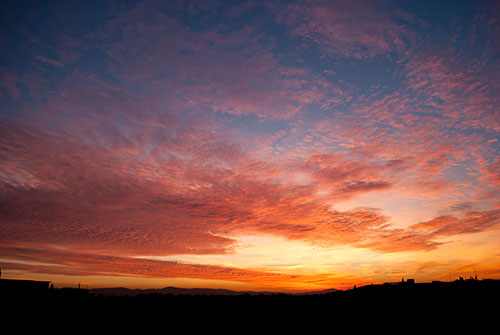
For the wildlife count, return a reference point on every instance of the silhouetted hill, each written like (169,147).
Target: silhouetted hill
(326,291)
(450,304)
(122,291)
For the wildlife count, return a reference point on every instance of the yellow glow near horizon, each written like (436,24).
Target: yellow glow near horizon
(274,254)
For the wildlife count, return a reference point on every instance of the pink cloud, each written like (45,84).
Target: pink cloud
(8,82)
(183,199)
(423,235)
(398,240)
(465,94)
(470,222)
(141,167)
(50,61)
(494,171)
(235,73)
(358,29)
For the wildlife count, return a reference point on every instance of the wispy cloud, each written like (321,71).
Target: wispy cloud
(356,29)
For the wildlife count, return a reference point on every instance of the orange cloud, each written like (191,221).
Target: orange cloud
(74,263)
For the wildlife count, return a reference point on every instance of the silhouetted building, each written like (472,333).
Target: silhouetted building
(19,285)
(408,281)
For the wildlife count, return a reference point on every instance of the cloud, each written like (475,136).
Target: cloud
(8,82)
(67,193)
(494,171)
(457,92)
(426,235)
(234,72)
(160,132)
(49,61)
(470,222)
(189,196)
(398,240)
(358,29)
(344,176)
(57,261)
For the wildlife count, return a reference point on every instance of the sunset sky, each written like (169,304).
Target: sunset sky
(253,145)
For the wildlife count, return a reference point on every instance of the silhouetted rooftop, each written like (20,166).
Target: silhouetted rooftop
(22,284)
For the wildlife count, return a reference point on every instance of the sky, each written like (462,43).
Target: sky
(250,145)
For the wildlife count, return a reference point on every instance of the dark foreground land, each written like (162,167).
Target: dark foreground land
(459,305)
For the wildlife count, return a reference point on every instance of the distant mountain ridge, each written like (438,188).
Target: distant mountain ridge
(386,287)
(122,291)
